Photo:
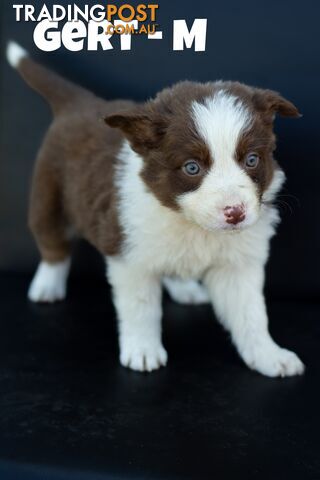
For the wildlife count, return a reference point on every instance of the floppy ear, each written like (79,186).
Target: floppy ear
(144,130)
(272,103)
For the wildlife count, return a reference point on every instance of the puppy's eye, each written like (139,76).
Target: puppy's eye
(252,160)
(191,168)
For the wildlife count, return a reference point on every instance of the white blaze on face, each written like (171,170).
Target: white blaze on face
(220,121)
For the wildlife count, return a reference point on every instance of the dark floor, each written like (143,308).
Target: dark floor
(68,407)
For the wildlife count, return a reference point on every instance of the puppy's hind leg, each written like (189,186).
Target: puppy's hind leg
(188,292)
(49,283)
(49,227)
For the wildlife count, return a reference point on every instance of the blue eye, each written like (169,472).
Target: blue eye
(191,168)
(252,160)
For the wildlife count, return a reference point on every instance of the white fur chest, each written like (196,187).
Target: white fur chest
(167,245)
(165,242)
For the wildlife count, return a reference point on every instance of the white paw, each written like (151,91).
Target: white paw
(50,282)
(143,357)
(188,292)
(273,361)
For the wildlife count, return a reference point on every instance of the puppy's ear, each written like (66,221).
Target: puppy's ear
(271,103)
(143,129)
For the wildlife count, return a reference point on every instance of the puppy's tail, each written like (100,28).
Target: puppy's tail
(59,93)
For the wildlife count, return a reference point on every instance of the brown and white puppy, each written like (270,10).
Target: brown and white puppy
(180,189)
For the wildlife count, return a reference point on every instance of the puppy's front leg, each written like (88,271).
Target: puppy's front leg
(137,298)
(237,296)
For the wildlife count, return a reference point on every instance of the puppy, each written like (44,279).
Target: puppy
(174,191)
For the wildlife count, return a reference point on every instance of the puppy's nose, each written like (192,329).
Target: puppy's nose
(235,214)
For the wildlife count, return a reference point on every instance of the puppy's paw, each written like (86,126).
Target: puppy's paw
(273,361)
(46,292)
(188,292)
(49,282)
(142,356)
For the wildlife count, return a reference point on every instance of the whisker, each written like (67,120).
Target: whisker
(289,195)
(281,204)
(286,206)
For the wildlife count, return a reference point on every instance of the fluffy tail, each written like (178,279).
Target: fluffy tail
(59,93)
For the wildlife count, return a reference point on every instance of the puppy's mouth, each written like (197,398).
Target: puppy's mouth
(228,228)
(235,228)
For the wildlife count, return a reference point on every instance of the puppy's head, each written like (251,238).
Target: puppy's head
(208,150)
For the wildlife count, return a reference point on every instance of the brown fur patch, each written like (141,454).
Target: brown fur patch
(259,139)
(73,185)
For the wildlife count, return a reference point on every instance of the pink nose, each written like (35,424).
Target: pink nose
(235,214)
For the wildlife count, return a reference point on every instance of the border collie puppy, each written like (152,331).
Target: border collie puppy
(177,192)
